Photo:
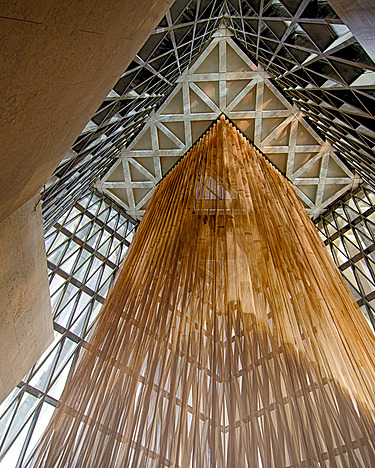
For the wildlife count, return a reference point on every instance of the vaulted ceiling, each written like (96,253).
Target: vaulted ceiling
(307,52)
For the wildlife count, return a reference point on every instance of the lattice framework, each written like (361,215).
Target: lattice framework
(348,230)
(224,80)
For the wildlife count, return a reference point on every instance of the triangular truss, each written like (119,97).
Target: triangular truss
(224,80)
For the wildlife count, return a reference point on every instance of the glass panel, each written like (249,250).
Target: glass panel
(20,418)
(353,240)
(13,453)
(44,418)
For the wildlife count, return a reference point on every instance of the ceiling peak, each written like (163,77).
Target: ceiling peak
(223,80)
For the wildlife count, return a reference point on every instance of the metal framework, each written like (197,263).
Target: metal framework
(304,46)
(84,250)
(223,80)
(348,230)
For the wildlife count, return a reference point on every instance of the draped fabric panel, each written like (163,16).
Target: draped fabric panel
(229,338)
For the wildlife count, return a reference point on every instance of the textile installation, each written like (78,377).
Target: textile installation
(229,338)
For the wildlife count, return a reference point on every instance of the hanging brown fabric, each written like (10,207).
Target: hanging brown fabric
(229,338)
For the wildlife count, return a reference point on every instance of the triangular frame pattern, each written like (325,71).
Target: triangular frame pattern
(224,80)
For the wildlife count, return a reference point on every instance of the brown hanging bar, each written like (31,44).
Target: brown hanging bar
(229,338)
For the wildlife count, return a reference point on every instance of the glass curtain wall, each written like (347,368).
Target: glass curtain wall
(84,250)
(348,230)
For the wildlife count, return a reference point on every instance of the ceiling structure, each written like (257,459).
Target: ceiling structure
(309,54)
(223,80)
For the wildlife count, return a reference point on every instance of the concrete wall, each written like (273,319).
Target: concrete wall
(58,61)
(25,310)
(359,17)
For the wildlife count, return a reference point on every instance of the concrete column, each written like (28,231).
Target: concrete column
(359,17)
(26,327)
(58,61)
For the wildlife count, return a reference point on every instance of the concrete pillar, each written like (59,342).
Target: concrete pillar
(58,61)
(26,327)
(359,17)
